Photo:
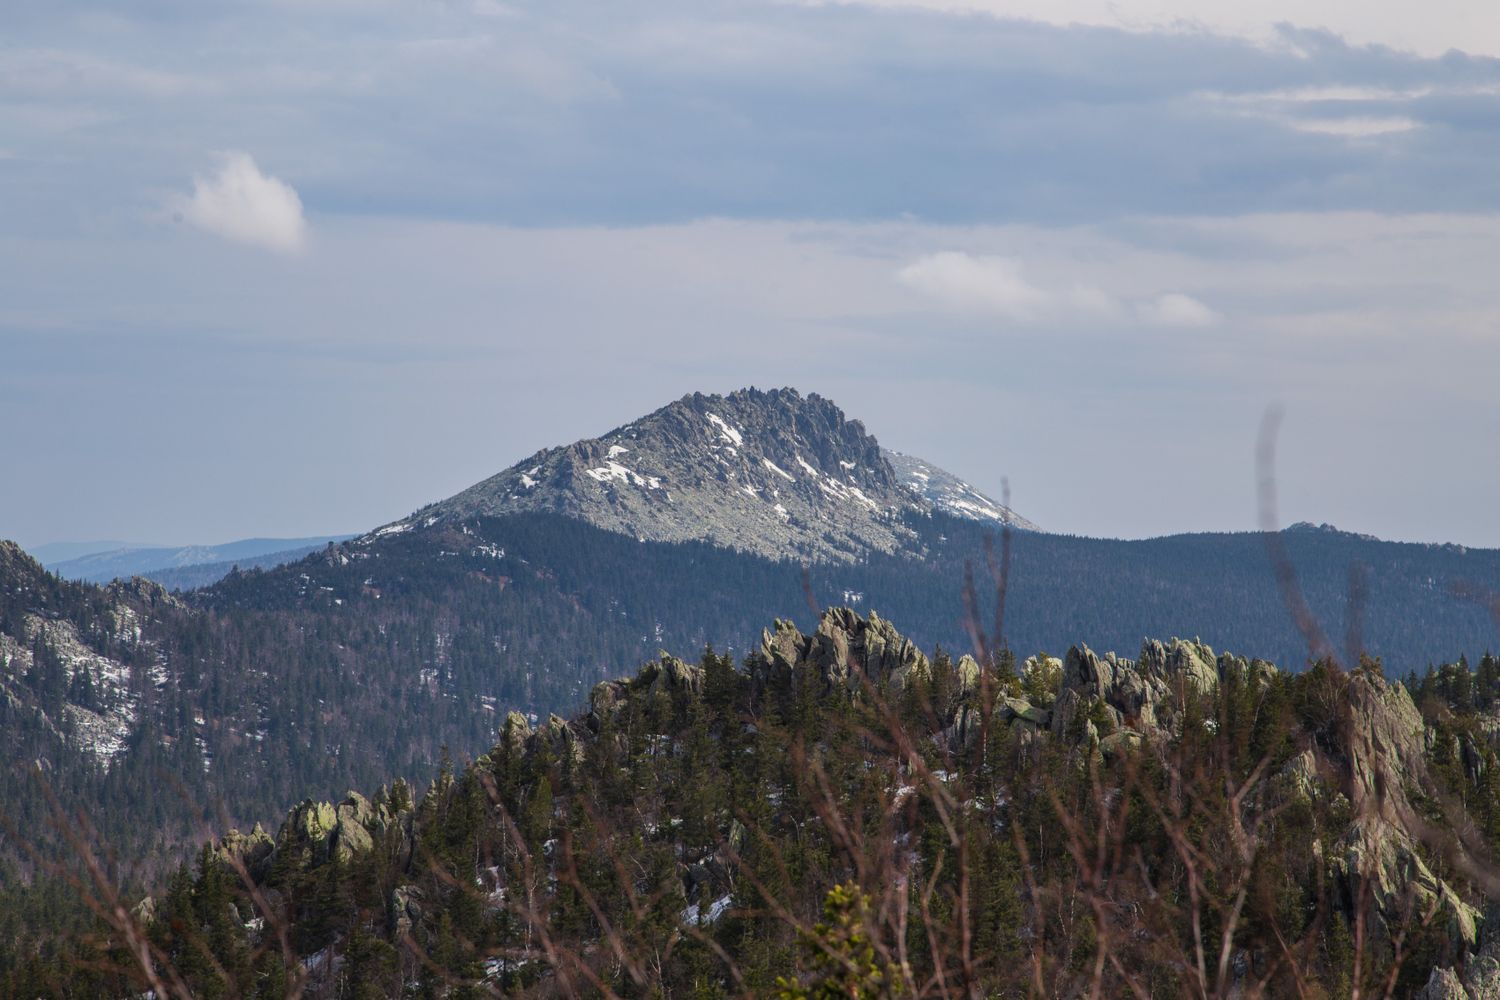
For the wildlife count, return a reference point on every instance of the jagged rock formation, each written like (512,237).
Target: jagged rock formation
(667,676)
(846,650)
(1139,697)
(315,833)
(775,473)
(1479,979)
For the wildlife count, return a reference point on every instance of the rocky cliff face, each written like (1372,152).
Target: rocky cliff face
(771,472)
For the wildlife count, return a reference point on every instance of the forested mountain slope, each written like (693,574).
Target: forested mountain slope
(843,815)
(360,662)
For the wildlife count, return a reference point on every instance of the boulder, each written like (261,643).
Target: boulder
(1119,743)
(1020,710)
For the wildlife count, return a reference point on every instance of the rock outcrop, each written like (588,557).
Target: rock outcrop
(1384,758)
(316,832)
(1479,979)
(667,676)
(845,651)
(1136,698)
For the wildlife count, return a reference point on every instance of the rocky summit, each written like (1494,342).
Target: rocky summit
(771,472)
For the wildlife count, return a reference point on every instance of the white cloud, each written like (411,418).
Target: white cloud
(1176,309)
(993,285)
(982,284)
(242,204)
(1358,127)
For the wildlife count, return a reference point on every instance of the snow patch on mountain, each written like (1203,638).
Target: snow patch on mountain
(951,495)
(731,434)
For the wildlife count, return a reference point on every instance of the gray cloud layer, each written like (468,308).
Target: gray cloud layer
(1085,257)
(593,112)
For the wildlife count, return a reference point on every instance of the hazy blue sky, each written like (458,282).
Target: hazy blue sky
(280,268)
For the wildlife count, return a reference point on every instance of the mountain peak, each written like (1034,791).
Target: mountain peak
(770,471)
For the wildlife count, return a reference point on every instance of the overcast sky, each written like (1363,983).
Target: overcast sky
(286,268)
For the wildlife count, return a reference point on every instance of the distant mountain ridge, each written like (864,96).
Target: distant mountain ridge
(771,472)
(124,563)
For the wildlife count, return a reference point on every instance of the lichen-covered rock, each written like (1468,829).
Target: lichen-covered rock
(1133,697)
(668,675)
(564,739)
(1388,734)
(311,822)
(1195,664)
(1189,663)
(517,729)
(782,648)
(145,911)
(1482,973)
(1043,674)
(354,819)
(316,832)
